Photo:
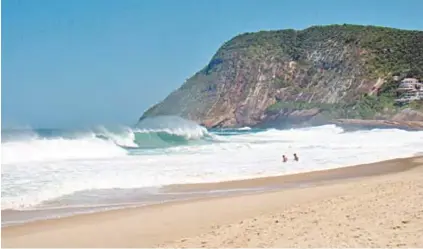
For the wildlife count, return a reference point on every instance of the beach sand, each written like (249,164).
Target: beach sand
(373,205)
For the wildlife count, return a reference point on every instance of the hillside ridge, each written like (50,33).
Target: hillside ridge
(314,75)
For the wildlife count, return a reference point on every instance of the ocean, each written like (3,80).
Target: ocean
(53,171)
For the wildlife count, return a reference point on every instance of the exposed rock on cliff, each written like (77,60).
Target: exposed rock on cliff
(288,76)
(408,114)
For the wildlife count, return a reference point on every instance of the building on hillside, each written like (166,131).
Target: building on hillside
(409,83)
(408,90)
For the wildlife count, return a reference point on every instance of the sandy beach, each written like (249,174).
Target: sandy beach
(372,205)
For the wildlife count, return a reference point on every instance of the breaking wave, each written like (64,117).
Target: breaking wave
(100,142)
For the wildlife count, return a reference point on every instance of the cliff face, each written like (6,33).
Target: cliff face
(288,76)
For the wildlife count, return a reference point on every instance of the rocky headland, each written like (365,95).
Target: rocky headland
(344,74)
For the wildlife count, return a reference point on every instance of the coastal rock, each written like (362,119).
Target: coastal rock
(291,77)
(408,114)
(291,117)
(359,123)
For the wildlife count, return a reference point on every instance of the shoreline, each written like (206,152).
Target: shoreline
(158,224)
(302,179)
(49,213)
(175,193)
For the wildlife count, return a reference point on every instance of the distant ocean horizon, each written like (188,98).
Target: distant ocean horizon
(56,168)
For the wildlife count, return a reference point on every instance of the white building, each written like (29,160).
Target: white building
(410,84)
(409,89)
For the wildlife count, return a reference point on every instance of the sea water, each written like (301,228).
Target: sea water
(46,169)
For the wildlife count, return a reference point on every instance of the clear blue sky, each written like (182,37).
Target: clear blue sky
(85,62)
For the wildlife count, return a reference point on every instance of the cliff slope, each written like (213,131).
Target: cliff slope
(283,77)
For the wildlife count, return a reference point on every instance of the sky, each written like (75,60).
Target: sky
(79,63)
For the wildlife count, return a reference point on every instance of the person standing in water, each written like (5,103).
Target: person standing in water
(296,157)
(284,158)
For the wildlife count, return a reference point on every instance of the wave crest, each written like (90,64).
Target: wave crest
(100,142)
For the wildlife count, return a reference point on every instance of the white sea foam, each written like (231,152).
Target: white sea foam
(27,146)
(172,125)
(27,183)
(41,149)
(189,133)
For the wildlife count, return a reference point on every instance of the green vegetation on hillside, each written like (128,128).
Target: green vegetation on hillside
(336,64)
(388,52)
(365,107)
(392,51)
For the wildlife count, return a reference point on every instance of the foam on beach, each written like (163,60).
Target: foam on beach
(85,170)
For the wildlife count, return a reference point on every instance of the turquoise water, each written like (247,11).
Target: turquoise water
(134,139)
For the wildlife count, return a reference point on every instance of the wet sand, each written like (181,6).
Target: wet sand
(303,179)
(372,205)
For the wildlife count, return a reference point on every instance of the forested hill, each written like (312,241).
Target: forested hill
(296,76)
